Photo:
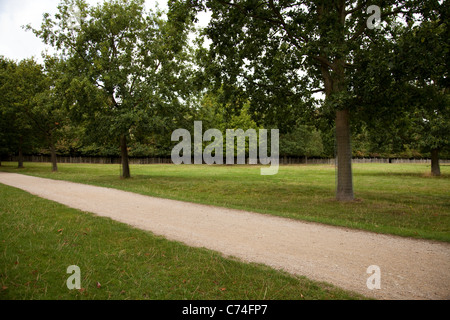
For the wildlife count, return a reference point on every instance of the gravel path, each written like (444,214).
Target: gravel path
(409,269)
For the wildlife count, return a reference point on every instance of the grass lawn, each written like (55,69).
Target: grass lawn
(40,239)
(400,199)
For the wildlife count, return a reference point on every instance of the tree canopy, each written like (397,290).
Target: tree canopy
(279,53)
(130,71)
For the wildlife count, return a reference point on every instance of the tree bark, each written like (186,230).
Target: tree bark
(124,153)
(344,190)
(20,160)
(53,157)
(435,168)
(334,84)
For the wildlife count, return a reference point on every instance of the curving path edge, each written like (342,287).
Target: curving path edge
(409,268)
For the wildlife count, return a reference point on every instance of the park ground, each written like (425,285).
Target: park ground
(394,199)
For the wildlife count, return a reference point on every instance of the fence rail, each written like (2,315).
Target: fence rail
(161,160)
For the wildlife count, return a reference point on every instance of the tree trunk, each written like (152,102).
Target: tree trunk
(333,85)
(53,157)
(124,153)
(20,160)
(344,190)
(435,168)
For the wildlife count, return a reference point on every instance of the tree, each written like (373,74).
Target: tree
(283,51)
(127,71)
(32,115)
(5,116)
(215,113)
(47,112)
(434,131)
(302,141)
(425,52)
(410,71)
(20,83)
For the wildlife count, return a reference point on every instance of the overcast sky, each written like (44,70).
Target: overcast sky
(18,44)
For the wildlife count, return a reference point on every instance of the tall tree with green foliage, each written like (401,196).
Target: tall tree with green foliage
(20,84)
(127,70)
(408,73)
(48,115)
(32,112)
(304,141)
(425,53)
(6,112)
(281,52)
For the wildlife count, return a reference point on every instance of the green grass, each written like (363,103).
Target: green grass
(400,199)
(39,239)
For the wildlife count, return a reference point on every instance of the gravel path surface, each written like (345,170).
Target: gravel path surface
(409,268)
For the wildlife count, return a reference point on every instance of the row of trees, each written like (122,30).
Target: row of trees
(279,53)
(126,77)
(120,72)
(33,127)
(30,108)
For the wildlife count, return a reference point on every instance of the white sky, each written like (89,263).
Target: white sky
(18,44)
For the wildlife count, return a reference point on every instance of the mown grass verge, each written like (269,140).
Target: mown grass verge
(40,239)
(400,199)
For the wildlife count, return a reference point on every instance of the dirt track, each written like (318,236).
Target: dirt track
(410,269)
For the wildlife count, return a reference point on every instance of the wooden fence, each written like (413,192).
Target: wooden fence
(161,160)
